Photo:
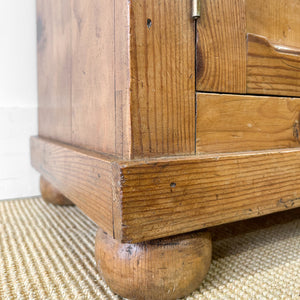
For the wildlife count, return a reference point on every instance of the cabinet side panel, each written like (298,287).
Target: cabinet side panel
(122,79)
(93,84)
(54,69)
(162,56)
(221,46)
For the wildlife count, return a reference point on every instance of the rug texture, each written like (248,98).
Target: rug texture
(47,252)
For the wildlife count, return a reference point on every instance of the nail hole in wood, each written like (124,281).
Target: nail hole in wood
(149,23)
(173,184)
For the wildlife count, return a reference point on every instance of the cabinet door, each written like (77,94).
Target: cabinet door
(249,46)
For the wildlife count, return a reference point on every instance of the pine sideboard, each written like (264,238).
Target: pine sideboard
(162,118)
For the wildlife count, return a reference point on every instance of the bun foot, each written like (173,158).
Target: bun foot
(51,194)
(167,268)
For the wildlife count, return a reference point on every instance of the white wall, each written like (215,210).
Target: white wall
(18,97)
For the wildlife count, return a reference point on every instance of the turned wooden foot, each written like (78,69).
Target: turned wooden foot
(167,268)
(51,194)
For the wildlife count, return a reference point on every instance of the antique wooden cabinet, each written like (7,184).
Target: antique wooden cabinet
(163,117)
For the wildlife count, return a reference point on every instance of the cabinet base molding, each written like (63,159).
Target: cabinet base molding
(140,200)
(168,268)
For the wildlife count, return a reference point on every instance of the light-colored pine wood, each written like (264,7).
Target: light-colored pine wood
(122,78)
(249,47)
(273,57)
(140,200)
(276,20)
(163,269)
(93,76)
(165,197)
(162,77)
(119,77)
(229,123)
(272,69)
(54,69)
(221,46)
(125,75)
(76,64)
(82,176)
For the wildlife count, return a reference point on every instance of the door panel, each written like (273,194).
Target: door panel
(277,20)
(273,58)
(272,69)
(249,47)
(221,49)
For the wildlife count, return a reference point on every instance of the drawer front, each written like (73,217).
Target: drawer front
(249,46)
(230,123)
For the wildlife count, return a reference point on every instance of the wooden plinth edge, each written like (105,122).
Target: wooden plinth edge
(51,195)
(167,268)
(142,200)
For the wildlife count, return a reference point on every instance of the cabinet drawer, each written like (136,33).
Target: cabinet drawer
(229,123)
(249,46)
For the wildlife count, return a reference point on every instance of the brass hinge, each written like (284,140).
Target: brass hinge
(196,9)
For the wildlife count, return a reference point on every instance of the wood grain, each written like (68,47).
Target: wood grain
(171,196)
(221,47)
(277,20)
(135,201)
(228,123)
(122,79)
(129,78)
(179,264)
(82,176)
(274,30)
(100,77)
(162,40)
(271,64)
(93,77)
(272,69)
(54,69)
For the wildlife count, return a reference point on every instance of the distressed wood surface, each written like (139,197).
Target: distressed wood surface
(119,77)
(122,79)
(162,78)
(54,69)
(82,176)
(174,195)
(272,69)
(106,82)
(221,47)
(93,76)
(273,58)
(249,47)
(139,200)
(277,20)
(228,123)
(179,264)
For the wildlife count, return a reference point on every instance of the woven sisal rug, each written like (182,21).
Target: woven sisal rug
(47,252)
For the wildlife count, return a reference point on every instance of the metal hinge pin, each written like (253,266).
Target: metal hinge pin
(196,9)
